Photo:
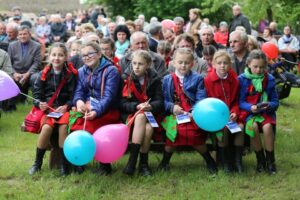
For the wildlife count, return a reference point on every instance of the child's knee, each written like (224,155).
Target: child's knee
(46,127)
(140,118)
(268,130)
(255,126)
(149,128)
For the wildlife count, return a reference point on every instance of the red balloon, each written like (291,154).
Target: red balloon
(270,49)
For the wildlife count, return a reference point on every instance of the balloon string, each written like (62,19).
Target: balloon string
(131,120)
(37,100)
(138,112)
(291,62)
(84,120)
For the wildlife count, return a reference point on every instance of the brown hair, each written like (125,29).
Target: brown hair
(185,36)
(256,54)
(143,54)
(94,45)
(59,45)
(164,47)
(183,51)
(88,26)
(195,11)
(222,53)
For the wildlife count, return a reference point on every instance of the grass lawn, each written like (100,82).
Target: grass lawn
(188,178)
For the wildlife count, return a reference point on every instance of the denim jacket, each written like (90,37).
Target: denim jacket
(273,100)
(89,85)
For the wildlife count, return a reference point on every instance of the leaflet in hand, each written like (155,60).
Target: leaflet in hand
(55,115)
(183,118)
(94,103)
(233,127)
(151,119)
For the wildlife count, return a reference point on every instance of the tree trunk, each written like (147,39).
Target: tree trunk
(269,14)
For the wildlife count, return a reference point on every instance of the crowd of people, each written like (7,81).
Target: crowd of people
(134,71)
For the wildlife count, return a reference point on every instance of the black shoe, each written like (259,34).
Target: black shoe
(238,164)
(261,161)
(272,170)
(163,167)
(210,163)
(228,168)
(145,170)
(224,160)
(65,165)
(104,169)
(271,166)
(134,152)
(36,167)
(79,169)
(64,170)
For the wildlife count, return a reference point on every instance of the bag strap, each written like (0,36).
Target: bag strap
(102,82)
(176,84)
(55,95)
(142,97)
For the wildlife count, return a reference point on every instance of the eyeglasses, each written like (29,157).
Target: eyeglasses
(89,55)
(103,49)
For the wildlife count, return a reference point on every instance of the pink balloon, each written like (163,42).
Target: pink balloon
(8,87)
(111,142)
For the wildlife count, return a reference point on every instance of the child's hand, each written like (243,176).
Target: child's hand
(81,107)
(139,106)
(262,105)
(90,115)
(177,110)
(233,117)
(147,107)
(62,109)
(254,108)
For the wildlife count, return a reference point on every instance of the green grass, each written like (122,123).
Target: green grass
(188,178)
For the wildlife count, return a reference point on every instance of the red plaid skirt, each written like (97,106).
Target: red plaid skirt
(64,119)
(188,134)
(110,117)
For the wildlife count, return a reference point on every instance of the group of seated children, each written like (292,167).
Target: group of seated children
(95,93)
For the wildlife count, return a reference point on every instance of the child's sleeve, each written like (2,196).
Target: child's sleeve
(37,91)
(110,92)
(80,93)
(272,94)
(157,102)
(235,98)
(244,105)
(128,106)
(201,92)
(168,103)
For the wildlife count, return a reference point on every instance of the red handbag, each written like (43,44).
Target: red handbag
(32,122)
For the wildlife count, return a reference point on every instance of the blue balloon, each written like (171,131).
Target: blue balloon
(79,147)
(211,114)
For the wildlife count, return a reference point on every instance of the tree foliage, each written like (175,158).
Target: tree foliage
(282,11)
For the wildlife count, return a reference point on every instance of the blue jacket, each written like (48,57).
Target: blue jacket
(85,88)
(270,90)
(193,88)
